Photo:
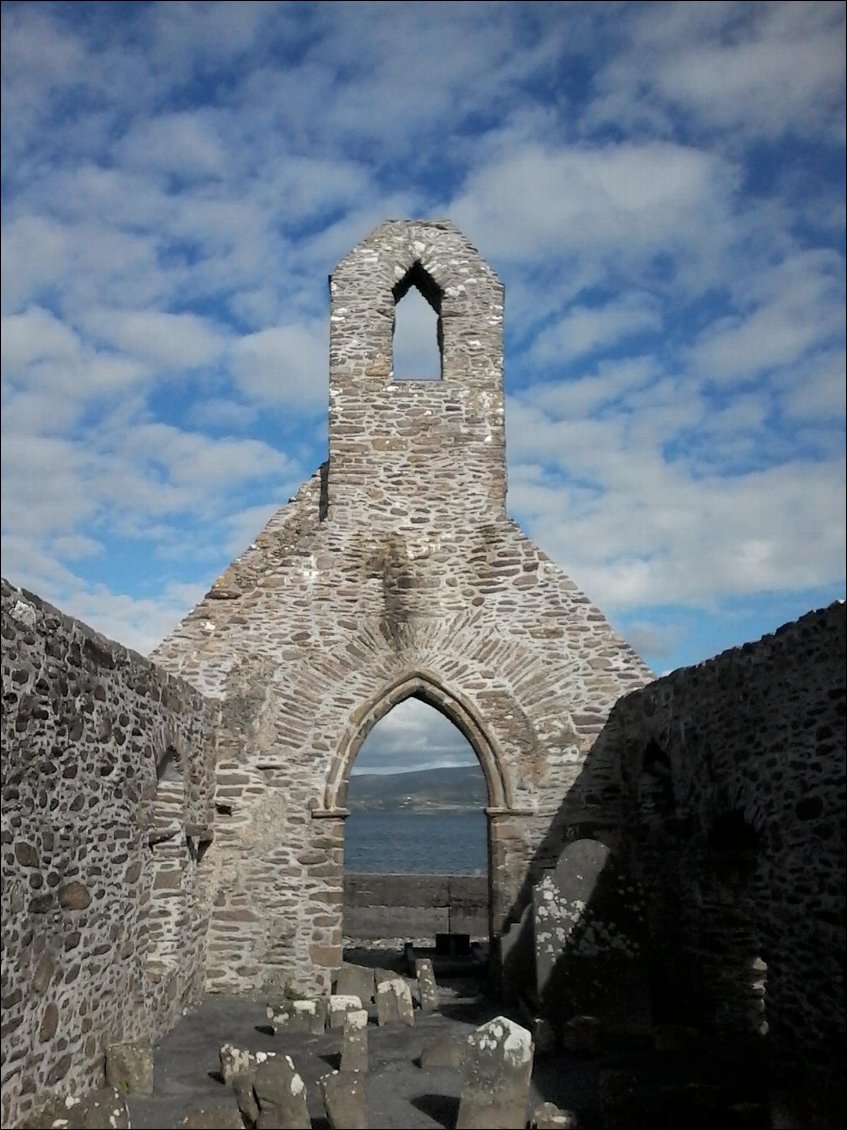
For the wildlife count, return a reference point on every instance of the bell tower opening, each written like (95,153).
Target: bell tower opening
(418,341)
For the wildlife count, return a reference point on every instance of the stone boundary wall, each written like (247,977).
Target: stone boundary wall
(414,906)
(731,821)
(103,941)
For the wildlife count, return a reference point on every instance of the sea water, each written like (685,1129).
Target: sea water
(441,843)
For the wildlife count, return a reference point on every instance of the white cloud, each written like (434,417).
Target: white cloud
(182,143)
(798,306)
(413,736)
(755,69)
(36,335)
(629,201)
(170,340)
(690,540)
(284,365)
(586,329)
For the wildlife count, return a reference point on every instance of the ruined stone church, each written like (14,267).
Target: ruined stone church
(660,850)
(394,572)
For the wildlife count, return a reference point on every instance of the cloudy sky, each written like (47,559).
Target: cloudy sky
(660,186)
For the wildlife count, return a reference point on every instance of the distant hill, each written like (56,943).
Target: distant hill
(457,788)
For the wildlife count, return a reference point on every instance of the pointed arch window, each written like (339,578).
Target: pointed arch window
(418,337)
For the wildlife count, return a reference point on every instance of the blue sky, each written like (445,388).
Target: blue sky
(660,186)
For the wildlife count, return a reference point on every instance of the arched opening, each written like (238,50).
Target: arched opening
(735,967)
(416,839)
(417,341)
(416,797)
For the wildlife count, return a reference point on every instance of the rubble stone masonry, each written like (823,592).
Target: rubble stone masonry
(394,572)
(104,925)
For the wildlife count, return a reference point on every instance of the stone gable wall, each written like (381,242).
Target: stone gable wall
(104,924)
(395,571)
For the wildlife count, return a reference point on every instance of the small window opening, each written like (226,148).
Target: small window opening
(656,785)
(732,849)
(417,328)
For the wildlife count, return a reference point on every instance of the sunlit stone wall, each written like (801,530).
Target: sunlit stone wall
(103,938)
(395,571)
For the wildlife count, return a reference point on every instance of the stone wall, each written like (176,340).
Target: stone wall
(720,790)
(395,572)
(104,924)
(412,907)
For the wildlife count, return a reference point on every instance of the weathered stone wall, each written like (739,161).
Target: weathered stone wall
(103,938)
(410,907)
(721,790)
(395,572)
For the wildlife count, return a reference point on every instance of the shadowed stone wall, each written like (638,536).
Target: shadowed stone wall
(394,572)
(104,924)
(720,789)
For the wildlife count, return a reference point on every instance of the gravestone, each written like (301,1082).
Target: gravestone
(354,1041)
(394,1003)
(298,1016)
(245,1097)
(588,917)
(548,1116)
(497,1070)
(239,1061)
(344,1099)
(427,988)
(281,1095)
(355,981)
(339,1006)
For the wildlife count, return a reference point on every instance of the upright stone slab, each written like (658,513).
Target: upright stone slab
(239,1061)
(354,1041)
(298,1016)
(281,1095)
(498,1066)
(427,988)
(345,1100)
(355,981)
(589,928)
(394,1003)
(339,1006)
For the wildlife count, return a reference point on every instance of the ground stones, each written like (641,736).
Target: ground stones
(447,1051)
(215,1116)
(105,1108)
(129,1068)
(394,1003)
(498,1066)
